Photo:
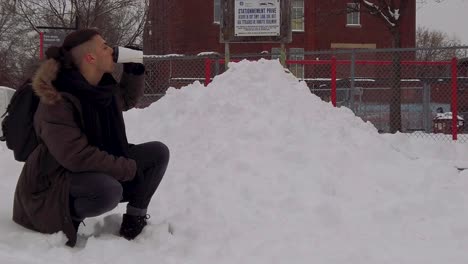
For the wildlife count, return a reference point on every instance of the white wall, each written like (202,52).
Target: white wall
(5,97)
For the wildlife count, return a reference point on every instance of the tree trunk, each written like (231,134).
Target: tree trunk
(395,98)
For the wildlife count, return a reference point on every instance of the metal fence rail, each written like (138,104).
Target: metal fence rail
(413,91)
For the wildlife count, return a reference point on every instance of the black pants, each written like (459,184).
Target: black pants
(94,193)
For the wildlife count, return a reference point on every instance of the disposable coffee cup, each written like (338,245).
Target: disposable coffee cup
(126,55)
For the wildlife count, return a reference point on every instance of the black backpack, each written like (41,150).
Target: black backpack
(17,125)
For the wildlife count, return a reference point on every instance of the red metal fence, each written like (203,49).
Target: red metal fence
(431,99)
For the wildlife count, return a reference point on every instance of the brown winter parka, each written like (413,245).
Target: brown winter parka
(41,200)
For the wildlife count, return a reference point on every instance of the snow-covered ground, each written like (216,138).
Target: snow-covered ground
(262,171)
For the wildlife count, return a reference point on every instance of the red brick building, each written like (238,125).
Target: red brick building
(190,27)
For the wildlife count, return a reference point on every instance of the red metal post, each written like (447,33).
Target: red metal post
(454,98)
(333,81)
(41,45)
(207,71)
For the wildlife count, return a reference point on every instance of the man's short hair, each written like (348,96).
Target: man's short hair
(78,43)
(80,51)
(78,37)
(65,55)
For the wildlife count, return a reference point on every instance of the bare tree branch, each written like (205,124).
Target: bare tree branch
(26,16)
(121,22)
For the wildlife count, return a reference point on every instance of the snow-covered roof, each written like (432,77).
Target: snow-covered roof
(447,115)
(208,53)
(163,56)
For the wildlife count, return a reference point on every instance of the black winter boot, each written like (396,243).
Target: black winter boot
(132,225)
(76,224)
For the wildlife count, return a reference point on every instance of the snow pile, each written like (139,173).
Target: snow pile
(262,171)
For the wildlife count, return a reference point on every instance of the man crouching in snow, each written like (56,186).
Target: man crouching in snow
(83,165)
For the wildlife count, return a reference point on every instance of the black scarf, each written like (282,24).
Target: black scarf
(103,121)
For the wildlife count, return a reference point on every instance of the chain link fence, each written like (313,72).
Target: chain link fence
(167,71)
(414,91)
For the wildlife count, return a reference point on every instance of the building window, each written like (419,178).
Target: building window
(217,11)
(298,15)
(297,69)
(275,53)
(353,17)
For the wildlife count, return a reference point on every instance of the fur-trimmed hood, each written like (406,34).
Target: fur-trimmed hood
(42,82)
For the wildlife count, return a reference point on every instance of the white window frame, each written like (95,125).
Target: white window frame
(217,11)
(297,15)
(353,18)
(297,69)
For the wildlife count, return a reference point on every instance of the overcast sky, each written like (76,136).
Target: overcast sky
(450,16)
